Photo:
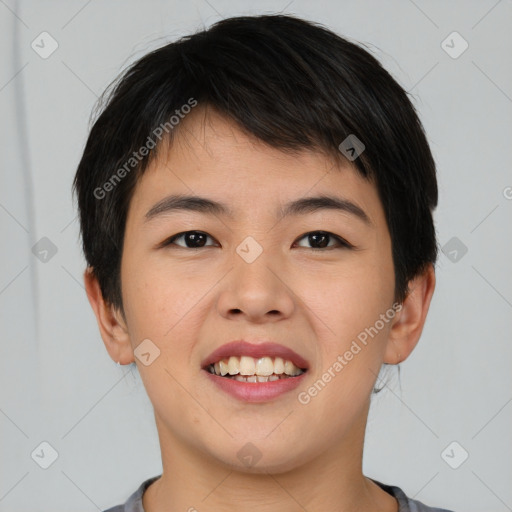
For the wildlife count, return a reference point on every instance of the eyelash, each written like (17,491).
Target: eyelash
(342,243)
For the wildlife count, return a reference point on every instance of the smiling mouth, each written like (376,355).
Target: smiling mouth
(250,369)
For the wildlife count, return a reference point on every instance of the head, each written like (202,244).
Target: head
(257,114)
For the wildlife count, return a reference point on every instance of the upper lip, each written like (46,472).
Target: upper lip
(256,350)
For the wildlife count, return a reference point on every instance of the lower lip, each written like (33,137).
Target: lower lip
(255,391)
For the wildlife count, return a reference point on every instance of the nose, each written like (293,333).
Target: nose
(257,291)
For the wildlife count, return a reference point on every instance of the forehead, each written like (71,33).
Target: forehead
(212,156)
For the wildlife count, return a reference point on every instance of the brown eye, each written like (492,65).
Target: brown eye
(321,240)
(192,240)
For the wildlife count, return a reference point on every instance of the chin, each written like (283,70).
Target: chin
(259,457)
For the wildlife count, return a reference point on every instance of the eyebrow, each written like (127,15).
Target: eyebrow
(301,206)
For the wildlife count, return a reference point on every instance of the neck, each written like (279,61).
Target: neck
(192,481)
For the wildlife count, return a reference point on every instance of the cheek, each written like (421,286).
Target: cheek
(158,296)
(351,334)
(349,298)
(160,306)
(168,307)
(146,320)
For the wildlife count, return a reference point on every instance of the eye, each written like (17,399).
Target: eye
(321,240)
(197,239)
(193,240)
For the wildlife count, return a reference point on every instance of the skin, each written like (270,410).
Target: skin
(189,302)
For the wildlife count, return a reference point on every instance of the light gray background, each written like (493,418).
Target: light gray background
(58,383)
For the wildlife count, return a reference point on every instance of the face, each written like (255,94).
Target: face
(312,281)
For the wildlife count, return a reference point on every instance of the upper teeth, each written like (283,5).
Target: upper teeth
(264,366)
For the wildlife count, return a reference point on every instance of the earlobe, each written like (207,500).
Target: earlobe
(112,326)
(408,324)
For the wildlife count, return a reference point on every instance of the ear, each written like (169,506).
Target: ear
(409,321)
(111,323)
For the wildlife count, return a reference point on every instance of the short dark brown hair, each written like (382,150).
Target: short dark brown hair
(293,84)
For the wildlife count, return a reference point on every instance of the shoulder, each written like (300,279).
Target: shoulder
(134,502)
(117,508)
(406,504)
